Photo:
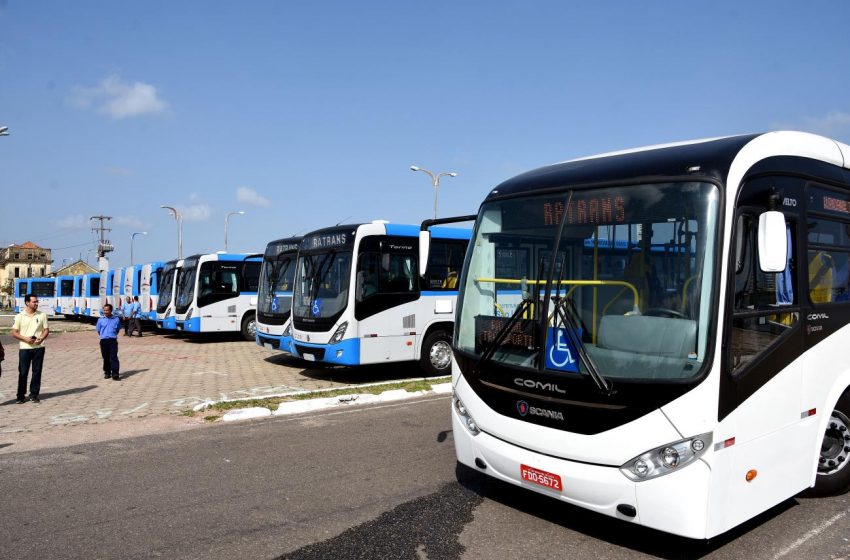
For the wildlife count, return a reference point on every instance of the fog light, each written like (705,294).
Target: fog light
(670,457)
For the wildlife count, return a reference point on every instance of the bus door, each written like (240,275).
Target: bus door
(386,291)
(145,289)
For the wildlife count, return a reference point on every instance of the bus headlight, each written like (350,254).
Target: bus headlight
(288,330)
(666,459)
(340,332)
(189,314)
(466,418)
(167,313)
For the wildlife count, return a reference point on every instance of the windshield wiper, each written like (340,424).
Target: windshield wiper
(523,306)
(566,311)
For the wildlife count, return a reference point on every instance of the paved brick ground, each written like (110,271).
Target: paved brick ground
(162,375)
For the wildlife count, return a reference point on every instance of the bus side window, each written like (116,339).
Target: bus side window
(828,260)
(765,304)
(445,259)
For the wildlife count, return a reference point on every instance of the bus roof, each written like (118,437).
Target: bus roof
(709,158)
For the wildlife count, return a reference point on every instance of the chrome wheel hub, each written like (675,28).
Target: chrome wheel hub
(835,449)
(440,354)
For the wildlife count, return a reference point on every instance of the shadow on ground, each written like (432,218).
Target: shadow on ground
(350,375)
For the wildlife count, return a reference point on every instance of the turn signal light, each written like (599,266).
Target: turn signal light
(751,475)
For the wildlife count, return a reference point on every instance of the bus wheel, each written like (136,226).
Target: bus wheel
(249,327)
(437,353)
(833,476)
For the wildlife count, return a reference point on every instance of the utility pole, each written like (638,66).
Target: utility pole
(104,246)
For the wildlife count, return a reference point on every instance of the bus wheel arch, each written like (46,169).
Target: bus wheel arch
(435,356)
(248,326)
(833,471)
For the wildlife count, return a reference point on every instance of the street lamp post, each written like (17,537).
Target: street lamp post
(179,218)
(226,218)
(133,238)
(435,181)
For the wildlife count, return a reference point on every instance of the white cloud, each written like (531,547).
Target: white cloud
(834,125)
(196,213)
(131,221)
(77,221)
(117,98)
(250,196)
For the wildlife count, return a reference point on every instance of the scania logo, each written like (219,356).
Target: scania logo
(539,385)
(523,409)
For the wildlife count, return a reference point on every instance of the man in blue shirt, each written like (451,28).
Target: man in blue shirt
(108,327)
(136,316)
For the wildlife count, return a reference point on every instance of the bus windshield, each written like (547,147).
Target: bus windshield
(630,287)
(278,276)
(186,286)
(322,285)
(166,288)
(43,288)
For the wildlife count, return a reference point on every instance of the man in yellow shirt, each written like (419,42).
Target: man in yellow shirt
(30,328)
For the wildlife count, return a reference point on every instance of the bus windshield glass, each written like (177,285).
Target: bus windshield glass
(630,287)
(186,285)
(322,285)
(276,278)
(166,289)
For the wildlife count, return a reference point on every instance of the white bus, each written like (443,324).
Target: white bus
(679,363)
(359,298)
(151,281)
(274,302)
(217,292)
(65,292)
(165,316)
(45,289)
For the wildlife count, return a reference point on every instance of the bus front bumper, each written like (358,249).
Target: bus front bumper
(675,503)
(343,353)
(274,342)
(191,325)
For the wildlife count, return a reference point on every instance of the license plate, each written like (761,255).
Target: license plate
(268,346)
(309,357)
(543,478)
(179,327)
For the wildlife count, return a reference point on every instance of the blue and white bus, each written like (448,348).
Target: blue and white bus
(217,292)
(687,389)
(22,288)
(274,302)
(79,299)
(165,316)
(151,281)
(362,296)
(107,278)
(65,292)
(90,295)
(45,289)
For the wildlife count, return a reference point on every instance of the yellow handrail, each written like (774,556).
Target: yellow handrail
(568,283)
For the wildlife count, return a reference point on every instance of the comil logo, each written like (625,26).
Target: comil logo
(817,316)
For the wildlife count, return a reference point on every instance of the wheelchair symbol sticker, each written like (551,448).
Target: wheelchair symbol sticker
(560,354)
(317,308)
(275,305)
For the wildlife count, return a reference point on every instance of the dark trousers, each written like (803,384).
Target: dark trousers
(127,322)
(135,325)
(109,352)
(34,357)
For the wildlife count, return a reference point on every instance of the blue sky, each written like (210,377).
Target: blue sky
(304,114)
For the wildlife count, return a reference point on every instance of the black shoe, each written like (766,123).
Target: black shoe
(116,378)
(20,401)
(106,375)
(35,399)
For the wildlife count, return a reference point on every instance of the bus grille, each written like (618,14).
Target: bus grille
(318,353)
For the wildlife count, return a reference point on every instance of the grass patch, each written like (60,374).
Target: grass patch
(211,418)
(272,403)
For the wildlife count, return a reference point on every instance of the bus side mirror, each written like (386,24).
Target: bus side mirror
(772,242)
(424,248)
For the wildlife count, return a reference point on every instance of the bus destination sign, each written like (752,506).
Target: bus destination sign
(584,211)
(829,202)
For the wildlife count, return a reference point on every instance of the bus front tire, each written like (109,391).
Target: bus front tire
(833,476)
(436,356)
(249,327)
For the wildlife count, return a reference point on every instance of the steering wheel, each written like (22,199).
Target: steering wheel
(663,312)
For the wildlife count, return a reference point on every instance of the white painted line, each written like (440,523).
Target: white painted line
(811,534)
(246,414)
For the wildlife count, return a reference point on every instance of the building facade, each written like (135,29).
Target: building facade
(26,260)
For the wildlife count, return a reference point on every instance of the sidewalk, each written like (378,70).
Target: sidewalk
(162,376)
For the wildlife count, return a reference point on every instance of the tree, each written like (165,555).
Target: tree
(8,289)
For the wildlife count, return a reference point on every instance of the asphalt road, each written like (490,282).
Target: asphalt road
(368,482)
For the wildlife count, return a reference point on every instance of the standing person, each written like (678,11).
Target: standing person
(127,313)
(108,327)
(30,328)
(136,316)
